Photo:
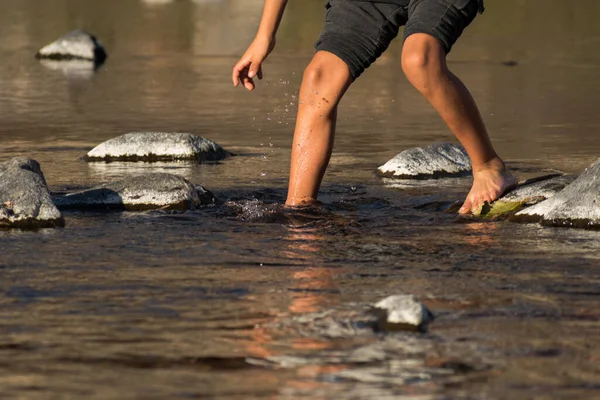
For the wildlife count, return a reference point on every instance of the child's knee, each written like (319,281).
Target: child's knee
(423,60)
(314,73)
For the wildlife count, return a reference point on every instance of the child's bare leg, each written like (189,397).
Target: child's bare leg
(324,82)
(424,63)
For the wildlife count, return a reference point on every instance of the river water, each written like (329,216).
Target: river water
(226,302)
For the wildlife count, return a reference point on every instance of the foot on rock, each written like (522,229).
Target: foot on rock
(490,181)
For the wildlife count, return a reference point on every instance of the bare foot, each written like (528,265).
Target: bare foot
(490,181)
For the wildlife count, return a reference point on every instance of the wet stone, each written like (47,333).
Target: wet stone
(435,161)
(25,201)
(577,205)
(527,194)
(76,44)
(539,189)
(138,193)
(402,312)
(157,146)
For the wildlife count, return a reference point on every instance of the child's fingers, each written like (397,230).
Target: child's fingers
(248,83)
(253,69)
(238,71)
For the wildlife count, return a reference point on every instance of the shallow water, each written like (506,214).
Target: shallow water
(227,302)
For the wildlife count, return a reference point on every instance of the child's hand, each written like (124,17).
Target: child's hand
(249,65)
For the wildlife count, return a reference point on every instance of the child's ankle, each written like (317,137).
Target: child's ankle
(300,201)
(494,163)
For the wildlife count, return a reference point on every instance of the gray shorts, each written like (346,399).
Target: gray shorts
(358,32)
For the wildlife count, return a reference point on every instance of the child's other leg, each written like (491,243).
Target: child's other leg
(325,81)
(424,63)
(354,35)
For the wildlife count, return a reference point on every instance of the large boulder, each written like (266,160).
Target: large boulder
(438,160)
(157,146)
(24,198)
(138,193)
(527,194)
(577,205)
(76,44)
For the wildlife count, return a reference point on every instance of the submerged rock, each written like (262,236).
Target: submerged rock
(402,312)
(157,146)
(435,161)
(76,44)
(527,194)
(577,205)
(137,193)
(24,198)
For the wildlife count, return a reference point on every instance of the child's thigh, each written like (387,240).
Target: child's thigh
(443,19)
(358,32)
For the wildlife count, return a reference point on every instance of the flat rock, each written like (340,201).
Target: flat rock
(435,161)
(76,44)
(402,312)
(25,201)
(577,205)
(157,146)
(138,193)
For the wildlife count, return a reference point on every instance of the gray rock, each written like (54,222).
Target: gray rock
(538,189)
(435,161)
(157,146)
(527,194)
(577,205)
(137,193)
(24,198)
(74,45)
(402,312)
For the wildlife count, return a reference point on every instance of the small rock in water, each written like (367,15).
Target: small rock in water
(401,313)
(435,161)
(24,198)
(157,146)
(137,193)
(76,44)
(577,205)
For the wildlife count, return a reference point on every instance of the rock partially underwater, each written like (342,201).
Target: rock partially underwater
(157,146)
(24,198)
(438,160)
(138,193)
(402,312)
(392,314)
(577,205)
(527,194)
(75,45)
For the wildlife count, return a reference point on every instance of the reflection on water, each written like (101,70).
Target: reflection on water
(222,302)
